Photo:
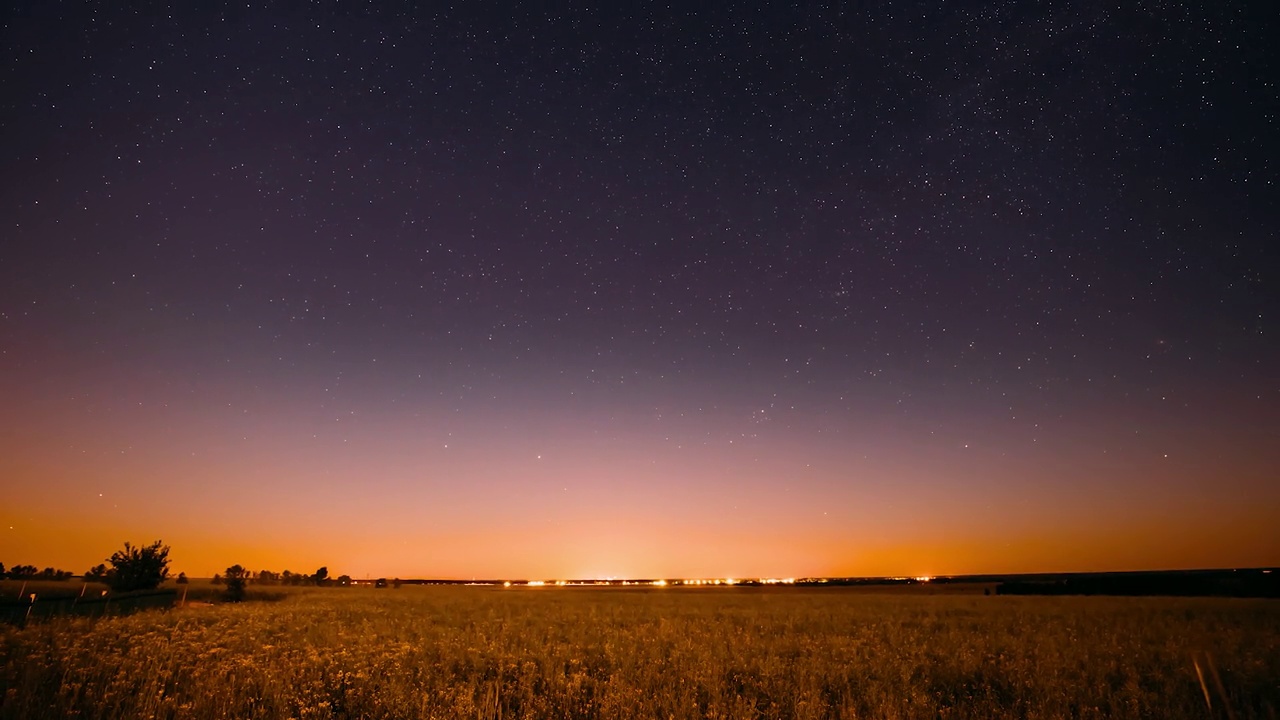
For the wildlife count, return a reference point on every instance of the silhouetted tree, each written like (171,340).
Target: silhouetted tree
(97,573)
(217,579)
(344,580)
(182,579)
(139,568)
(2,571)
(395,584)
(321,576)
(23,572)
(267,577)
(288,578)
(236,578)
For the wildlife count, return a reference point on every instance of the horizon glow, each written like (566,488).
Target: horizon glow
(451,293)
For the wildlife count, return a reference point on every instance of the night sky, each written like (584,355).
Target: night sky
(842,289)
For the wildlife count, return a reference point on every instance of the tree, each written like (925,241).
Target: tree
(1,571)
(182,578)
(321,576)
(139,568)
(97,573)
(23,572)
(217,579)
(236,577)
(344,580)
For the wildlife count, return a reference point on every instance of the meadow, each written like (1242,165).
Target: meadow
(471,652)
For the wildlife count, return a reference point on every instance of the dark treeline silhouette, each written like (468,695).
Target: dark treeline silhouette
(1201,583)
(319,578)
(134,578)
(142,567)
(236,580)
(31,572)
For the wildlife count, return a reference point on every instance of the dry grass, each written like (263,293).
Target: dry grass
(571,653)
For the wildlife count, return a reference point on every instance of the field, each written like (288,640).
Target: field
(467,652)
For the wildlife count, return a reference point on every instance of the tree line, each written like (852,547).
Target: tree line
(142,567)
(320,577)
(31,572)
(146,567)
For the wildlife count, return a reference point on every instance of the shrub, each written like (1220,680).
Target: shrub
(139,568)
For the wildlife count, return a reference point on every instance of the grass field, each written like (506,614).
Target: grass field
(465,652)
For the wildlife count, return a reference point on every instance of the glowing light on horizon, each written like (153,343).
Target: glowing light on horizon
(716,581)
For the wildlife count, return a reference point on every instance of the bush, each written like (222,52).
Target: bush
(139,568)
(236,578)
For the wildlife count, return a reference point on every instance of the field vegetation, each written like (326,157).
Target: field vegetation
(467,652)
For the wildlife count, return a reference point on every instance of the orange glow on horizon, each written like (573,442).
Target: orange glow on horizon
(448,326)
(635,508)
(489,554)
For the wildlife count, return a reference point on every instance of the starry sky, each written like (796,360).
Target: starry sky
(736,290)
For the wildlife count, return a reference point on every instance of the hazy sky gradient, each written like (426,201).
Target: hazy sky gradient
(772,292)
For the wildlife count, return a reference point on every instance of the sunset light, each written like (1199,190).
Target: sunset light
(609,360)
(634,295)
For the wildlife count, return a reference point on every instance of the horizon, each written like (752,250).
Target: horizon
(765,581)
(664,580)
(702,581)
(718,578)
